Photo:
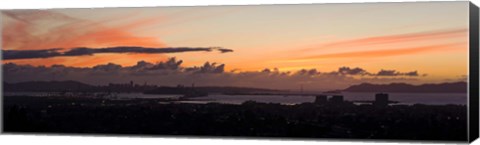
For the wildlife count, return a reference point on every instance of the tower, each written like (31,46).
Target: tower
(320,99)
(381,100)
(336,99)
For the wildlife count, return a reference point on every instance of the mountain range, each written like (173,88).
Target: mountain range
(455,87)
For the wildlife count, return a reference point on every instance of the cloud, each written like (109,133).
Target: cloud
(396,73)
(31,54)
(207,68)
(387,73)
(352,71)
(412,73)
(357,71)
(172,72)
(387,52)
(223,50)
(28,54)
(107,67)
(395,39)
(170,64)
(27,29)
(44,29)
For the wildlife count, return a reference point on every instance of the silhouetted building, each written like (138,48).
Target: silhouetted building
(381,100)
(336,99)
(321,99)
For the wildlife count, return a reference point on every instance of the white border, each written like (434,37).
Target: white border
(42,4)
(85,140)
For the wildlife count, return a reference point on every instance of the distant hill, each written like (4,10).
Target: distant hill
(46,86)
(456,87)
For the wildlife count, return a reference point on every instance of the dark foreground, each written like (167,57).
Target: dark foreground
(149,117)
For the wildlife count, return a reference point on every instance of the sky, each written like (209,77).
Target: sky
(424,42)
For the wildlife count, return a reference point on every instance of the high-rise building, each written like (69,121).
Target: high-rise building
(320,99)
(336,99)
(381,100)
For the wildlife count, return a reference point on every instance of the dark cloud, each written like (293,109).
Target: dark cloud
(412,73)
(352,71)
(357,71)
(170,64)
(207,68)
(396,73)
(267,70)
(141,65)
(171,72)
(28,54)
(223,50)
(47,53)
(110,67)
(308,72)
(123,49)
(387,73)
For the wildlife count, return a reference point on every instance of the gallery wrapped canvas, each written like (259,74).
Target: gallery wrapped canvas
(363,71)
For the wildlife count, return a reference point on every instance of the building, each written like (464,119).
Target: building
(320,99)
(336,99)
(381,100)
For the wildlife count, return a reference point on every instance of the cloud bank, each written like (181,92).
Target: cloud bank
(395,39)
(39,29)
(48,53)
(172,73)
(359,71)
(388,52)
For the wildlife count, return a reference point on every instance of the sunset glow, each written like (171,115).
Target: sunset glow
(374,37)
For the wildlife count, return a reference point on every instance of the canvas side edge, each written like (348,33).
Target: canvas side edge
(473,101)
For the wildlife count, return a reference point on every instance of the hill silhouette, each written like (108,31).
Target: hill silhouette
(456,87)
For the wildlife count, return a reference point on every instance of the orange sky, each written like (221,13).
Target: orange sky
(400,36)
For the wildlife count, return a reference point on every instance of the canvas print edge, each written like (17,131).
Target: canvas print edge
(473,83)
